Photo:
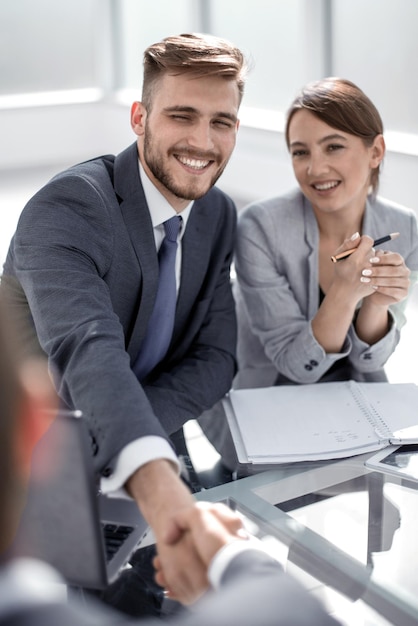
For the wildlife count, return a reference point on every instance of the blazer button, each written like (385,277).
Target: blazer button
(308,367)
(313,363)
(94,446)
(107,472)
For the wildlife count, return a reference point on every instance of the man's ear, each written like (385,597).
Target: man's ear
(138,118)
(36,411)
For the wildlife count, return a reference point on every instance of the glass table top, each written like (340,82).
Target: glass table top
(351,528)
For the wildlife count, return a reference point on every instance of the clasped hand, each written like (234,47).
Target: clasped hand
(203,529)
(380,276)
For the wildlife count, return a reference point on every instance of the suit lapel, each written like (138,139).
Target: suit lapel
(312,242)
(136,216)
(196,247)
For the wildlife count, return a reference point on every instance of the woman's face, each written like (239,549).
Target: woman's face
(332,167)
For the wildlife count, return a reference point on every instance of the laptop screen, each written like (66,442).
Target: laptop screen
(62,522)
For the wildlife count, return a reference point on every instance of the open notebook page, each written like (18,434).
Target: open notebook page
(307,422)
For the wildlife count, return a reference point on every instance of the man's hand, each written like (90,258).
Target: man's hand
(211,525)
(161,496)
(208,527)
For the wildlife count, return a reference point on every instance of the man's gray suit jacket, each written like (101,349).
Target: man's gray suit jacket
(254,592)
(83,259)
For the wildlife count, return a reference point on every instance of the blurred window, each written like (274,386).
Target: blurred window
(47,45)
(375,44)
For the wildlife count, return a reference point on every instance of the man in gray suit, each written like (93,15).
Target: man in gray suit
(83,268)
(250,586)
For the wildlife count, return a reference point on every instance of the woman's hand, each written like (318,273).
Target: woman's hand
(351,274)
(389,278)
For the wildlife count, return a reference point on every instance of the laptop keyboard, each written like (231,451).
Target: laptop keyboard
(114,536)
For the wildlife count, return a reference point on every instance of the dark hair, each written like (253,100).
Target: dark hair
(9,396)
(341,104)
(195,54)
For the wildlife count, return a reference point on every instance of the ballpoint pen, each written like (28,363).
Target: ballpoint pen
(376,242)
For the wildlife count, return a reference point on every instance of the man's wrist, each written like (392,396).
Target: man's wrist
(132,457)
(158,490)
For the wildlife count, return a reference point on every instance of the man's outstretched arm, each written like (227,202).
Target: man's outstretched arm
(162,496)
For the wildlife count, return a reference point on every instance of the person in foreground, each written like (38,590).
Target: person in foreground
(250,585)
(301,317)
(137,355)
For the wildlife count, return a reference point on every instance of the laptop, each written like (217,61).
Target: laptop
(86,536)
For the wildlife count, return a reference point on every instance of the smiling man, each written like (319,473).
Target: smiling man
(186,134)
(89,266)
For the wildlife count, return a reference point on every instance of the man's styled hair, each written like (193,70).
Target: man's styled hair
(341,104)
(195,54)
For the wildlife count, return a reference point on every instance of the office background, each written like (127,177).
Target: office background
(69,72)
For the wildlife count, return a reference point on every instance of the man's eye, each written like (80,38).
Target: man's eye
(180,117)
(299,153)
(223,123)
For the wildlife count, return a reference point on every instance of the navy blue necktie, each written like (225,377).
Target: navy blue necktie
(161,322)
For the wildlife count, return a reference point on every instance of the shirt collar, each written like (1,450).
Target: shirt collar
(160,209)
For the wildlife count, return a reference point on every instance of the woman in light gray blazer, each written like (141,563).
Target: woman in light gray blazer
(301,317)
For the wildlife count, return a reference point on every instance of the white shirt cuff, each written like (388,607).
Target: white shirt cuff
(224,556)
(131,458)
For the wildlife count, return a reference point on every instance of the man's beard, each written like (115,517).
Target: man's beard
(185,192)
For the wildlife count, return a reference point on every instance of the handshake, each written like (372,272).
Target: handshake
(251,587)
(207,529)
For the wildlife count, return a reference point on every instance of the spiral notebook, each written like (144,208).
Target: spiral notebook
(292,423)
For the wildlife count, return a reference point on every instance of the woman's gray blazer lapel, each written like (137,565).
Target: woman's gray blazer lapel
(312,250)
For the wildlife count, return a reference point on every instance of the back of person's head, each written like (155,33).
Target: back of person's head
(195,54)
(10,391)
(342,105)
(27,408)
